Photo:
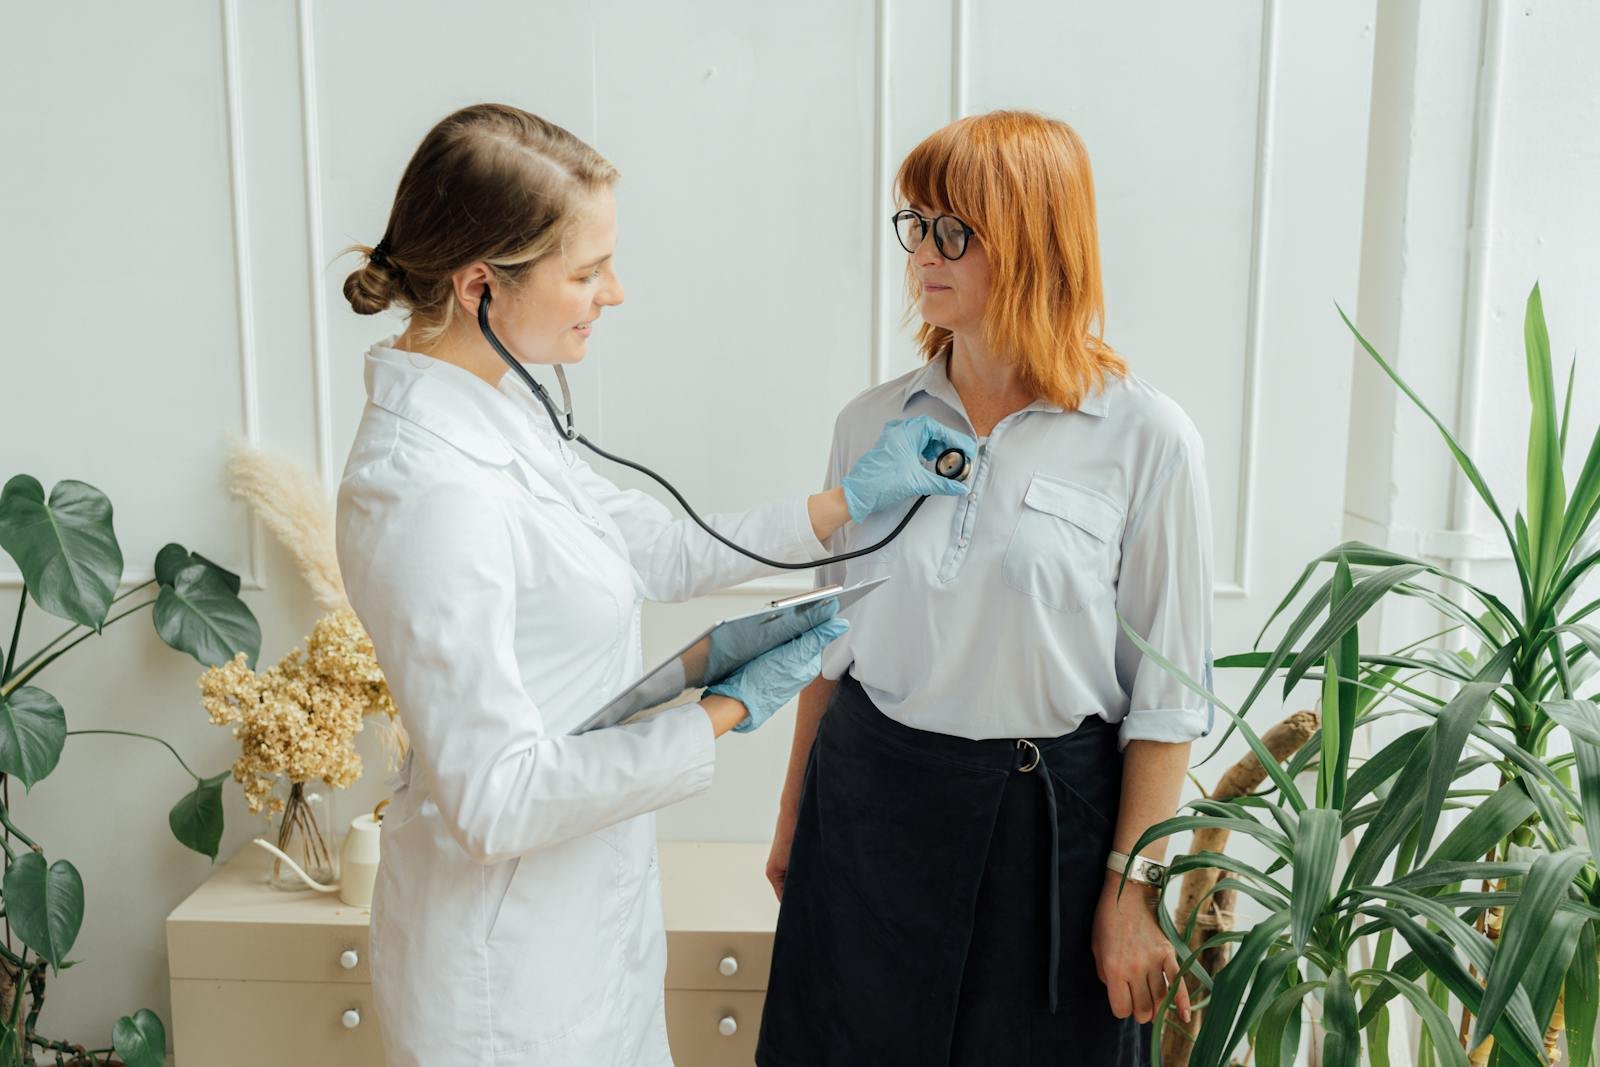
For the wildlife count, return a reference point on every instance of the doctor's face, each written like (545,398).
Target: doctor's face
(954,291)
(548,318)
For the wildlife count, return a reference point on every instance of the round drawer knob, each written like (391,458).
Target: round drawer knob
(728,1026)
(728,967)
(351,1019)
(348,959)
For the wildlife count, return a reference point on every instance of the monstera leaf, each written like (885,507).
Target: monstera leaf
(196,820)
(33,730)
(140,1039)
(44,904)
(174,558)
(200,615)
(65,548)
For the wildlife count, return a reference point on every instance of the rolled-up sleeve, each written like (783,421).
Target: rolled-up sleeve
(431,574)
(1164,593)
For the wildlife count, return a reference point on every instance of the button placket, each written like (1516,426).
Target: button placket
(967,515)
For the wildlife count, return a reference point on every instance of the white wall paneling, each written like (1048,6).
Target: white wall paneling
(127,291)
(1220,272)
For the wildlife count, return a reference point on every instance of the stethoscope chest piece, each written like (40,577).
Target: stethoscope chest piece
(953,464)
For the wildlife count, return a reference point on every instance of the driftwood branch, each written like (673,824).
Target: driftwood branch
(1216,914)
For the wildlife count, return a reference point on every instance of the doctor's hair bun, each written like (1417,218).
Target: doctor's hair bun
(372,288)
(489,184)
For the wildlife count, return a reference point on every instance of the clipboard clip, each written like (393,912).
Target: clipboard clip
(819,594)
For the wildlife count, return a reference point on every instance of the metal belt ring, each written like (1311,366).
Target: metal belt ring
(1033,750)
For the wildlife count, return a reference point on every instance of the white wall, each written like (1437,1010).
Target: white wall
(177,192)
(1481,181)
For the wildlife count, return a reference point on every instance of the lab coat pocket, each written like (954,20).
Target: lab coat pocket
(497,879)
(554,944)
(1064,549)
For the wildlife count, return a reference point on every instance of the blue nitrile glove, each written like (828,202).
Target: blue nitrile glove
(735,644)
(772,679)
(892,470)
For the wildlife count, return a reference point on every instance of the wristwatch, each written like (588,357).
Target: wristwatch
(1144,871)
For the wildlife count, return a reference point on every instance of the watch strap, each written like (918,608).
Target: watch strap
(1145,871)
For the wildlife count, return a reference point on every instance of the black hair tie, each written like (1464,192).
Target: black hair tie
(379,256)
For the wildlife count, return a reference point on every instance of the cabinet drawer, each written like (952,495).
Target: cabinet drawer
(277,952)
(694,959)
(271,1024)
(693,1020)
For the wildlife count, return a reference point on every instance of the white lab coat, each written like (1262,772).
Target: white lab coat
(517,914)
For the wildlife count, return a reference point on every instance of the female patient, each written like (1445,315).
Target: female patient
(986,735)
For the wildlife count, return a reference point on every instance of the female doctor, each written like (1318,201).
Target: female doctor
(517,915)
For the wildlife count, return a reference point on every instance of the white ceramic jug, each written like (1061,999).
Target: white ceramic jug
(358,860)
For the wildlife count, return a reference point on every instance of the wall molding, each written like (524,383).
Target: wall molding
(1476,283)
(244,278)
(311,143)
(960,59)
(1260,228)
(880,200)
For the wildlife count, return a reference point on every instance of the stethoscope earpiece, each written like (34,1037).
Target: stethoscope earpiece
(953,464)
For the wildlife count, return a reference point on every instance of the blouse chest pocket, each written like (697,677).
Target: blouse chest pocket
(1064,549)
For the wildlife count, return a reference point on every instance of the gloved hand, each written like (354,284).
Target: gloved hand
(772,679)
(734,645)
(891,470)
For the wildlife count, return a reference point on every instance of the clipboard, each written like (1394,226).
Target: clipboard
(723,648)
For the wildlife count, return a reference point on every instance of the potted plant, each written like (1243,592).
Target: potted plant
(1501,912)
(71,565)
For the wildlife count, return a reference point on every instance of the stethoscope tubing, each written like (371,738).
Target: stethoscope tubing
(569,432)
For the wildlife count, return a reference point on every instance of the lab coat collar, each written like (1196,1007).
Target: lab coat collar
(446,400)
(487,423)
(933,378)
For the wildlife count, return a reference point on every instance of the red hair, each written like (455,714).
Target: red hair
(1023,183)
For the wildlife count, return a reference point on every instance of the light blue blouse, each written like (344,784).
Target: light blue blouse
(1000,618)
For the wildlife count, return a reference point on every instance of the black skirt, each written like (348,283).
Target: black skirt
(921,925)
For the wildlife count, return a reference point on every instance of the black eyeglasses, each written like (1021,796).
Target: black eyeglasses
(949,233)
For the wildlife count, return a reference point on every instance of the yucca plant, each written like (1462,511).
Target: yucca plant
(1501,913)
(1553,549)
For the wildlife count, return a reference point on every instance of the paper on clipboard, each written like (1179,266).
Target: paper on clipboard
(725,647)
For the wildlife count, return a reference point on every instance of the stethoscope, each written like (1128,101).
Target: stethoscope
(951,463)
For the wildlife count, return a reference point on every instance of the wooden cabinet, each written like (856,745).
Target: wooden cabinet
(264,977)
(720,915)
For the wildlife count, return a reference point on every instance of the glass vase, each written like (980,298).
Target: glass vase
(302,832)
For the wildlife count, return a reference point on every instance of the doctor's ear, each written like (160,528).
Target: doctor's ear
(470,282)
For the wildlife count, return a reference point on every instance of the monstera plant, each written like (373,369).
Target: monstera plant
(71,567)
